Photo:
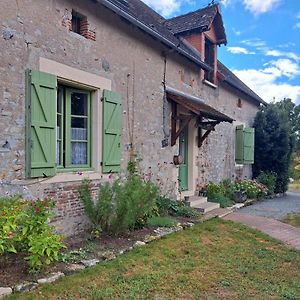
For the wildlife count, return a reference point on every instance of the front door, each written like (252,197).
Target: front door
(183,168)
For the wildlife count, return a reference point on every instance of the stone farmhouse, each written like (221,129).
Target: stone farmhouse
(88,85)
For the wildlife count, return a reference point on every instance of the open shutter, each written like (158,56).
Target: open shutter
(239,144)
(111,132)
(249,146)
(40,124)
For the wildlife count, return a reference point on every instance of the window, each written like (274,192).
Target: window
(209,59)
(77,20)
(59,128)
(239,103)
(73,128)
(244,145)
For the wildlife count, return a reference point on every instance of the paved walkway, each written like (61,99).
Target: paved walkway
(278,230)
(276,208)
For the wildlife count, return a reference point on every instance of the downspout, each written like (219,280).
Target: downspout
(152,32)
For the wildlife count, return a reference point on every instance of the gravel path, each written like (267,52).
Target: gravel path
(276,208)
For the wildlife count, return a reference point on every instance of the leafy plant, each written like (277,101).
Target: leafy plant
(252,188)
(171,207)
(161,221)
(222,200)
(24,228)
(268,179)
(121,205)
(222,193)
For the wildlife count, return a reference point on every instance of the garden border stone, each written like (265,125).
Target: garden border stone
(74,268)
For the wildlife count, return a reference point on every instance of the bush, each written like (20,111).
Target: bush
(122,205)
(269,180)
(222,200)
(273,144)
(222,193)
(24,228)
(252,188)
(174,208)
(162,221)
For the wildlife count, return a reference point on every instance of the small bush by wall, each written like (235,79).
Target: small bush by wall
(24,228)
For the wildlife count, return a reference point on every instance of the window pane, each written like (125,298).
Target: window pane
(79,104)
(78,153)
(59,99)
(58,153)
(79,129)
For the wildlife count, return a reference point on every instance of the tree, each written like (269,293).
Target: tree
(293,113)
(273,144)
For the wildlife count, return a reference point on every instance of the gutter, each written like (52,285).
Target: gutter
(153,33)
(192,98)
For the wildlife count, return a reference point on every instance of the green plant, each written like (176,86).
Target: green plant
(252,188)
(121,205)
(171,207)
(214,190)
(24,228)
(269,180)
(274,142)
(161,221)
(222,199)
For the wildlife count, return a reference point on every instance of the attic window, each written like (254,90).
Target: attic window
(209,59)
(77,22)
(239,103)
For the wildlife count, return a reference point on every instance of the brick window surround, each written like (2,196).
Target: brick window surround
(79,24)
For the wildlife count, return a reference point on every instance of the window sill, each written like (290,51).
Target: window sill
(76,176)
(212,85)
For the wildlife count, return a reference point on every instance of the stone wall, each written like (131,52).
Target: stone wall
(134,63)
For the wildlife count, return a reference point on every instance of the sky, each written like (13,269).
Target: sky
(263,46)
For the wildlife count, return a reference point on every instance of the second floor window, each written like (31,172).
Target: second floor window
(209,59)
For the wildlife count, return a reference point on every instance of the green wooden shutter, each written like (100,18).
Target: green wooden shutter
(40,124)
(239,144)
(249,146)
(112,120)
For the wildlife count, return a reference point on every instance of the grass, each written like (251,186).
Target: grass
(161,221)
(294,186)
(213,260)
(292,219)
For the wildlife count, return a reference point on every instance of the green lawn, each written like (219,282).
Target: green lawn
(213,260)
(292,219)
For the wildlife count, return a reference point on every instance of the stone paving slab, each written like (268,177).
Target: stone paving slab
(286,233)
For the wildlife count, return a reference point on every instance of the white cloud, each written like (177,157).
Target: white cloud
(277,53)
(297,25)
(165,7)
(239,50)
(255,42)
(260,6)
(268,82)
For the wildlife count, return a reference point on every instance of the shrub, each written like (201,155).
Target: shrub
(214,190)
(174,208)
(122,205)
(161,221)
(24,228)
(269,180)
(222,199)
(222,193)
(252,188)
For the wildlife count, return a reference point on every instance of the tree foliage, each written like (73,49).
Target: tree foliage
(274,142)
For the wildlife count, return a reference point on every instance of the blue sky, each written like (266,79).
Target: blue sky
(263,42)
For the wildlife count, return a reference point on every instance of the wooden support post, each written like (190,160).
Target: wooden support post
(173,123)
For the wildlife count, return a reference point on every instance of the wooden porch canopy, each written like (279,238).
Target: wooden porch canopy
(206,116)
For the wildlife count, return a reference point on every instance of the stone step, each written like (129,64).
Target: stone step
(195,200)
(207,206)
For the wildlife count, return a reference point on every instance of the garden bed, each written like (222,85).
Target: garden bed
(14,269)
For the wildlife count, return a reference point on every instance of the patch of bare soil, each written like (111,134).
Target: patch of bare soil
(14,269)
